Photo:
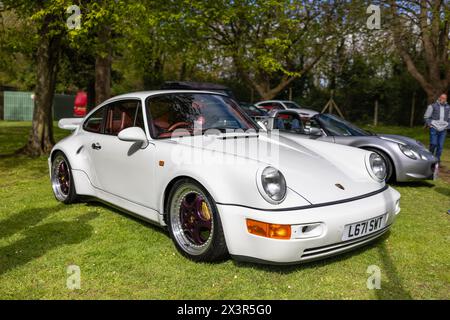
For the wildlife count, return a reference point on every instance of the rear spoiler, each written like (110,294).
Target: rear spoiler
(70,123)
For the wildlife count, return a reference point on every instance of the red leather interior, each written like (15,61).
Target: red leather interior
(119,119)
(162,122)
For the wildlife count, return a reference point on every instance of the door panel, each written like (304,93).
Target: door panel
(123,168)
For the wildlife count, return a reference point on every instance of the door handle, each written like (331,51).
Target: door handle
(96,146)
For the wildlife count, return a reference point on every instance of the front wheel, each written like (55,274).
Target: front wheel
(62,179)
(194,222)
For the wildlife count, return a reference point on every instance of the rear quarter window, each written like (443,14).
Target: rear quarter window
(95,121)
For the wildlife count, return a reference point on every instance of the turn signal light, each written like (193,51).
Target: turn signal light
(268,230)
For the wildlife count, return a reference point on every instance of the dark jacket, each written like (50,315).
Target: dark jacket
(434,113)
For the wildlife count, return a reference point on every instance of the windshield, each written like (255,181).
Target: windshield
(252,111)
(194,113)
(339,127)
(291,105)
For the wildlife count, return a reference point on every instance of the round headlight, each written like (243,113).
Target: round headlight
(273,185)
(378,166)
(408,151)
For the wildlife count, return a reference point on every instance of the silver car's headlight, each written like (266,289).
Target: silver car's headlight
(421,144)
(409,152)
(377,167)
(272,185)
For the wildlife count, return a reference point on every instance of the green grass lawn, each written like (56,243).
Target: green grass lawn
(121,257)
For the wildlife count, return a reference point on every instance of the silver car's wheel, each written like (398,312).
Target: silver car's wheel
(194,223)
(62,181)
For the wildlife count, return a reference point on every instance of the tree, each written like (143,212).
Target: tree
(270,43)
(99,21)
(47,18)
(420,29)
(16,52)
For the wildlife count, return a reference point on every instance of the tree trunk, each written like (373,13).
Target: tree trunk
(434,92)
(266,92)
(40,140)
(103,63)
(434,28)
(262,83)
(413,110)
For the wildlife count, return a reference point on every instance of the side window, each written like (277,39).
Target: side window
(277,106)
(95,121)
(310,123)
(288,122)
(312,126)
(122,115)
(268,106)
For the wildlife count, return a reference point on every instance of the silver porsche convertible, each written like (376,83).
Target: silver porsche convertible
(406,159)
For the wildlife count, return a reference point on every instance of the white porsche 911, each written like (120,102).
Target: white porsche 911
(195,162)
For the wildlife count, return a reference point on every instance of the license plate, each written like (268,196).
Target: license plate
(362,228)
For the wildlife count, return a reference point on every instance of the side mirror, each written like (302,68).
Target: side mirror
(314,131)
(134,134)
(263,125)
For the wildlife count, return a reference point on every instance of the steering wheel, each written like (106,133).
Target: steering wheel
(178,124)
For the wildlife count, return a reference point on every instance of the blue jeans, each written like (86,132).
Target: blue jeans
(437,139)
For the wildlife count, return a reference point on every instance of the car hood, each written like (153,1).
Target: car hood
(402,139)
(317,171)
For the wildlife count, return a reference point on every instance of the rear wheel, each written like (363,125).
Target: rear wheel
(62,179)
(389,165)
(194,222)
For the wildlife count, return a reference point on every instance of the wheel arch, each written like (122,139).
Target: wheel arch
(168,189)
(54,152)
(386,153)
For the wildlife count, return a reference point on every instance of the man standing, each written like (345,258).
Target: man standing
(437,118)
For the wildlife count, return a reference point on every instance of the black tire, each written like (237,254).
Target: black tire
(390,169)
(183,196)
(62,183)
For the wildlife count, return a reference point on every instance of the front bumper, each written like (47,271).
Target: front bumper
(245,246)
(410,170)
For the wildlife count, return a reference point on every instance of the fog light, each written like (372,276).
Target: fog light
(269,230)
(310,230)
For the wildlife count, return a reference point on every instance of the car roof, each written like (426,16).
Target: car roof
(145,94)
(282,101)
(191,85)
(310,112)
(303,111)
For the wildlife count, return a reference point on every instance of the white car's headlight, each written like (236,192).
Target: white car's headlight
(272,185)
(377,167)
(408,151)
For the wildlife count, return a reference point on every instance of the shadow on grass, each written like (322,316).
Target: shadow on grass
(40,239)
(289,268)
(393,287)
(443,191)
(8,156)
(141,221)
(414,184)
(28,167)
(25,219)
